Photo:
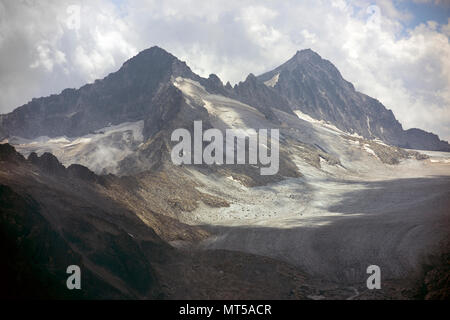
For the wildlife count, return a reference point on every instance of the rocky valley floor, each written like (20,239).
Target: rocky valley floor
(333,229)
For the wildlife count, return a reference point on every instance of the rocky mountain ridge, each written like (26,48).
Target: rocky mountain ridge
(315,86)
(142,89)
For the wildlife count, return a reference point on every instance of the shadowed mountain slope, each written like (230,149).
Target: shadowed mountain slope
(52,217)
(316,87)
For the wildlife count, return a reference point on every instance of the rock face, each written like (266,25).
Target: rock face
(419,139)
(315,86)
(46,226)
(8,153)
(142,89)
(264,98)
(126,95)
(48,163)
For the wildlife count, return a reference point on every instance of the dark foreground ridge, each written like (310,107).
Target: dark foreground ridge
(52,217)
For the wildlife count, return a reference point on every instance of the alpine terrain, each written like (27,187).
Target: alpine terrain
(86,179)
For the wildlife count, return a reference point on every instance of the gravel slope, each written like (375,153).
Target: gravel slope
(338,218)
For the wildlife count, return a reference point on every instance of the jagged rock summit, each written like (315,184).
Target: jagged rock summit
(316,87)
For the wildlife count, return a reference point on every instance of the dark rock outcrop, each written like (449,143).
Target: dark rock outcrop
(81,172)
(420,139)
(258,95)
(48,163)
(9,153)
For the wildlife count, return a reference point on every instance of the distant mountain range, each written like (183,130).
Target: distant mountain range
(142,89)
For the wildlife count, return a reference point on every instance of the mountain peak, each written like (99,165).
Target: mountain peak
(306,54)
(215,79)
(250,77)
(155,49)
(305,51)
(151,54)
(305,57)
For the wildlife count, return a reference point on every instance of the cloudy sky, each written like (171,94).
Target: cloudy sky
(397,51)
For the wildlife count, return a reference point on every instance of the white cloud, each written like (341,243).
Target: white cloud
(406,69)
(42,54)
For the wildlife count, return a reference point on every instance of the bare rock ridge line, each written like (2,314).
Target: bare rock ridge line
(142,89)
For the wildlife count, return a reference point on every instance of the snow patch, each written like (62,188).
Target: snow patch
(305,117)
(368,124)
(273,81)
(369,150)
(440,160)
(231,113)
(322,123)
